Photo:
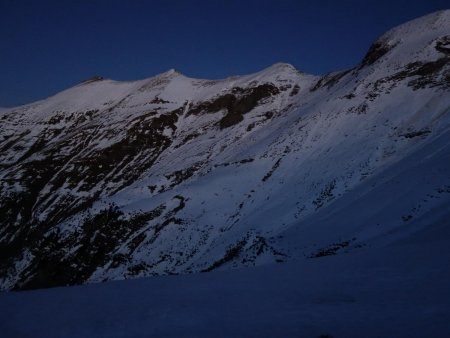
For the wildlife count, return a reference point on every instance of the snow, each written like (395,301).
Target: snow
(399,291)
(316,142)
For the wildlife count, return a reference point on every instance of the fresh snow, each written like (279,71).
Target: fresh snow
(400,291)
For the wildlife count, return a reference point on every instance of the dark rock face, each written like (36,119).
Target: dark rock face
(85,175)
(443,45)
(99,236)
(329,80)
(420,75)
(63,172)
(375,52)
(239,102)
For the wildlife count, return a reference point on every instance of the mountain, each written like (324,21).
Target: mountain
(113,180)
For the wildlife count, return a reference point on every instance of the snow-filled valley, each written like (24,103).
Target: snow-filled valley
(316,204)
(400,291)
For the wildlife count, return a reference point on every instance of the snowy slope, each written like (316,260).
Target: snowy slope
(400,291)
(171,175)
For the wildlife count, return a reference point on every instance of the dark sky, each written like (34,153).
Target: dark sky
(47,46)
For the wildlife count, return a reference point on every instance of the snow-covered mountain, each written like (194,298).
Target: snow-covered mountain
(171,175)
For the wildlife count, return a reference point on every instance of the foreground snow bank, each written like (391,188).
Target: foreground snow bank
(400,290)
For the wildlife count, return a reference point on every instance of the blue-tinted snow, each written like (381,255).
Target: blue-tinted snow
(399,291)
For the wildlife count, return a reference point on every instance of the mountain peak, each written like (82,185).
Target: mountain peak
(172,72)
(418,40)
(94,78)
(424,25)
(281,67)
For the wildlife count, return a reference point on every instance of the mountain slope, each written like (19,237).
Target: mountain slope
(112,180)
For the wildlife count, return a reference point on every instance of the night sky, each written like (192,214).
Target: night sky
(47,46)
